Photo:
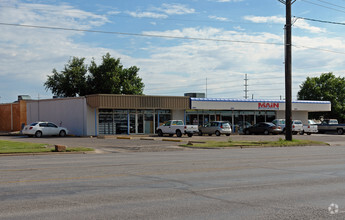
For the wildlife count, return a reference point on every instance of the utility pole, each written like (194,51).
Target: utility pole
(246,87)
(288,99)
(206,87)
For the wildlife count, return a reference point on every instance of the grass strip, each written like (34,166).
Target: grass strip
(279,143)
(9,147)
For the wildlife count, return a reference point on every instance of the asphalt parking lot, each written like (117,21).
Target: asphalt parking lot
(152,143)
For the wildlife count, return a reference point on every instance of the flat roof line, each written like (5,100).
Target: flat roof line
(257,100)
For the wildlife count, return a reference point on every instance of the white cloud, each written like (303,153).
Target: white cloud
(175,9)
(301,24)
(30,54)
(218,18)
(261,19)
(165,10)
(146,15)
(187,63)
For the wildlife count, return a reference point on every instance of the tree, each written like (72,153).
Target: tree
(71,81)
(108,78)
(327,87)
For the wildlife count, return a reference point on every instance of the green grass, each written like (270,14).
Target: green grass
(7,147)
(279,143)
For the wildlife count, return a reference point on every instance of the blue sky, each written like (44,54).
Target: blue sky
(217,40)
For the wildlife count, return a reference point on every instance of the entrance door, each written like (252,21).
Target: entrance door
(140,123)
(136,123)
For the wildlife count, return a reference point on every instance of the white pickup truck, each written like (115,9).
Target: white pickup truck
(177,127)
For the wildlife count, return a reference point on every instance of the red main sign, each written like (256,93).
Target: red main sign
(268,105)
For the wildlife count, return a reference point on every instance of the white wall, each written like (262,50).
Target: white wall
(67,112)
(92,119)
(296,115)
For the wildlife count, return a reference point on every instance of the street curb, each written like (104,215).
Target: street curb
(127,138)
(173,140)
(45,153)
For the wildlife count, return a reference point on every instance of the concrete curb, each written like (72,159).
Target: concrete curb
(127,138)
(173,140)
(45,153)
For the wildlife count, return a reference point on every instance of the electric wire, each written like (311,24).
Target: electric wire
(307,1)
(326,2)
(165,36)
(140,35)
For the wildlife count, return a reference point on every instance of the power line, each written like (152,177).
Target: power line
(321,21)
(323,6)
(140,35)
(326,2)
(162,36)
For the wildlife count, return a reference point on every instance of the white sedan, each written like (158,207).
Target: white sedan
(38,129)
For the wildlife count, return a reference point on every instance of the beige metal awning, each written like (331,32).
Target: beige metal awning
(111,101)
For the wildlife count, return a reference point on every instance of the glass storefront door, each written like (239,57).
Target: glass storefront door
(136,122)
(140,123)
(148,123)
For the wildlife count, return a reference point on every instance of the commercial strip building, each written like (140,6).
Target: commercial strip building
(101,114)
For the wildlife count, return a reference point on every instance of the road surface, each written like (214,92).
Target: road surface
(252,183)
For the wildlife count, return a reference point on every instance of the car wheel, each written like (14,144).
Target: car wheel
(247,132)
(178,133)
(301,132)
(266,132)
(190,134)
(38,134)
(294,132)
(62,133)
(340,131)
(217,133)
(160,133)
(200,133)
(308,133)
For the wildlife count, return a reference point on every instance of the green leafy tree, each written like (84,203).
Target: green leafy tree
(69,82)
(327,87)
(110,77)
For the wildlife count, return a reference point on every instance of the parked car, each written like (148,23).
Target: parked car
(177,127)
(216,127)
(263,128)
(310,128)
(297,127)
(280,123)
(39,129)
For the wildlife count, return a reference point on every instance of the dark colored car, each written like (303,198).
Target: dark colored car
(263,128)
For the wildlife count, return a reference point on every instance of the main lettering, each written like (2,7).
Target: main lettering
(268,105)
